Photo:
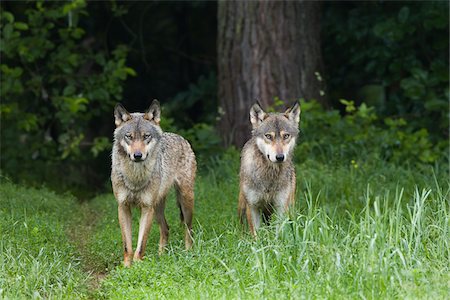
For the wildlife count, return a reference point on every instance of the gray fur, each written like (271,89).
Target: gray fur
(167,160)
(278,122)
(267,185)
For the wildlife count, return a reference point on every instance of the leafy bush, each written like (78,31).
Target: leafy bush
(203,137)
(397,63)
(57,83)
(199,101)
(360,134)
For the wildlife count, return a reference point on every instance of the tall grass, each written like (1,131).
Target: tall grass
(381,252)
(372,231)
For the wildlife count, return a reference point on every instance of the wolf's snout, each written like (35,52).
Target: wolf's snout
(280,157)
(137,155)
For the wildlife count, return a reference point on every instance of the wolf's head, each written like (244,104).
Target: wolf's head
(275,133)
(136,134)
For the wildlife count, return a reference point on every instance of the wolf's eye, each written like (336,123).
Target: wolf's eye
(268,136)
(128,136)
(286,136)
(147,136)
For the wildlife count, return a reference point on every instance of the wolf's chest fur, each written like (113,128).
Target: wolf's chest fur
(266,178)
(133,180)
(136,176)
(265,183)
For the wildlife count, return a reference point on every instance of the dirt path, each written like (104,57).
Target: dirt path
(80,233)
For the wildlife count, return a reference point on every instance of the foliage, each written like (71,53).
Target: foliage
(198,100)
(361,134)
(37,261)
(397,63)
(57,83)
(195,101)
(204,139)
(64,67)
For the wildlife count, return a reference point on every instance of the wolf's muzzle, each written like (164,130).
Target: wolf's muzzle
(279,157)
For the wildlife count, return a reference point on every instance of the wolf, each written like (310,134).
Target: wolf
(267,173)
(146,163)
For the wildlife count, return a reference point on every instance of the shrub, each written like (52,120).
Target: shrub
(56,84)
(360,134)
(397,63)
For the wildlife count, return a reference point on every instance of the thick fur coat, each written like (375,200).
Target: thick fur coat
(146,163)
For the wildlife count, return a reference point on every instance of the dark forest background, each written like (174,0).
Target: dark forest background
(64,65)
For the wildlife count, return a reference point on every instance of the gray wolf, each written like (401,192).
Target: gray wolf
(267,174)
(146,163)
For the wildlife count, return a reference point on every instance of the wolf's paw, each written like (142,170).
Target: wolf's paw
(137,258)
(127,263)
(127,259)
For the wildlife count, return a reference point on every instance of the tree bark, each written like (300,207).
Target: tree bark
(266,49)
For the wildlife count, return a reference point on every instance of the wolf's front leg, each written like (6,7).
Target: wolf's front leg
(283,203)
(145,223)
(284,200)
(253,218)
(125,227)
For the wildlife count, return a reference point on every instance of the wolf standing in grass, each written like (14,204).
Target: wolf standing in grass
(267,176)
(146,163)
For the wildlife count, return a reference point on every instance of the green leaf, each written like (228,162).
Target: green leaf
(6,109)
(77,104)
(412,88)
(21,26)
(73,5)
(8,30)
(100,144)
(77,33)
(69,90)
(436,105)
(28,122)
(419,73)
(8,16)
(403,14)
(70,144)
(14,72)
(349,105)
(130,71)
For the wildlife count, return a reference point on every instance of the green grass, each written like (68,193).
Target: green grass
(375,231)
(36,258)
(370,231)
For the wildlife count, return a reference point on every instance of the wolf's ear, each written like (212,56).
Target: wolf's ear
(257,115)
(121,114)
(153,113)
(293,113)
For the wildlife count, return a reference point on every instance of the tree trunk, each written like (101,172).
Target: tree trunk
(266,49)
